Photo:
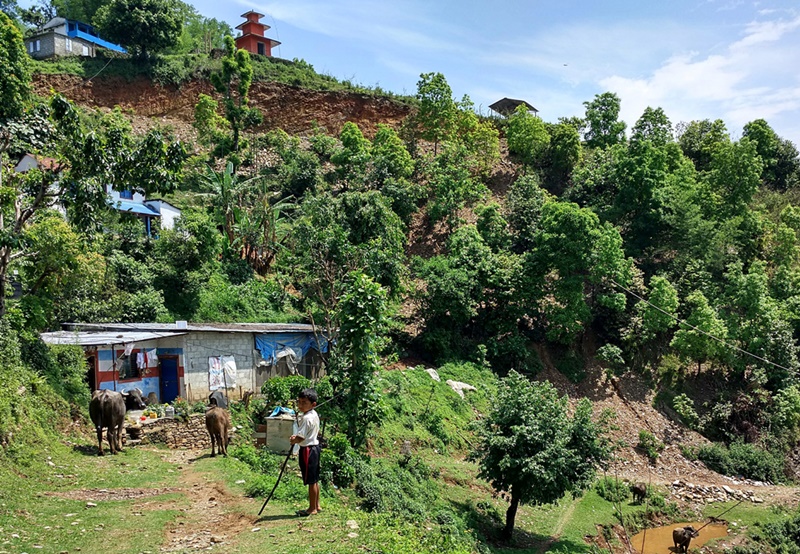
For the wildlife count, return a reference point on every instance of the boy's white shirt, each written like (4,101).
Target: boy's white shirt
(309,428)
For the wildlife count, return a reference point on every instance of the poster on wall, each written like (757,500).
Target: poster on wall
(221,372)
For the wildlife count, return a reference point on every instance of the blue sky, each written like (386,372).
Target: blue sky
(730,59)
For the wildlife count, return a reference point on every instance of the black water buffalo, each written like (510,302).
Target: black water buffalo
(134,399)
(217,423)
(639,491)
(217,398)
(682,536)
(107,409)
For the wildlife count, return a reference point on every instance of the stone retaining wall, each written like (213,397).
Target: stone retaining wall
(177,433)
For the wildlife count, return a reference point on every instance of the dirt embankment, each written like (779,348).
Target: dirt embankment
(292,109)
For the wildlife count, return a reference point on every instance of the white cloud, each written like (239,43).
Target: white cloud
(752,77)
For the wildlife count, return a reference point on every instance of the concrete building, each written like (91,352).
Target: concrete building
(189,361)
(67,37)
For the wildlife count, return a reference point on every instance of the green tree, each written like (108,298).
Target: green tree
(779,156)
(527,136)
(233,83)
(570,270)
(654,125)
(526,199)
(390,158)
(564,154)
(694,341)
(351,161)
(734,175)
(333,236)
(604,128)
(532,448)
(699,139)
(144,26)
(362,317)
(660,317)
(452,186)
(201,34)
(437,112)
(15,78)
(480,138)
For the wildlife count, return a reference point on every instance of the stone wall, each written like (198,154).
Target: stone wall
(177,433)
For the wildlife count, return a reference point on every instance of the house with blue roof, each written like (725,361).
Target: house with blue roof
(67,37)
(155,213)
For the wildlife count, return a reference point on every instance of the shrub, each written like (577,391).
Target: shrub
(280,390)
(685,408)
(403,489)
(783,536)
(612,489)
(611,356)
(743,459)
(338,462)
(650,444)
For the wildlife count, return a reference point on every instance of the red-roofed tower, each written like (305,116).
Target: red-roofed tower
(253,39)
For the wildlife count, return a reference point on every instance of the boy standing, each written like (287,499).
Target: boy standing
(308,456)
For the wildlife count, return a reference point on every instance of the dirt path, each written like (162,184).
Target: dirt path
(213,517)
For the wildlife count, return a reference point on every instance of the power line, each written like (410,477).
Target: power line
(709,335)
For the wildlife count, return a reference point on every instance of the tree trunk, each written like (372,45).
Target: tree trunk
(511,515)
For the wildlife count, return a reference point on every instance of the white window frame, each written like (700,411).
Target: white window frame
(68,44)
(38,45)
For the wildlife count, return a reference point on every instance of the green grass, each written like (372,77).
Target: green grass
(176,69)
(31,515)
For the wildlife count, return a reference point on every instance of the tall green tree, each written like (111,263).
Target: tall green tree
(351,161)
(233,83)
(698,140)
(569,272)
(143,26)
(654,125)
(527,136)
(532,448)
(437,112)
(15,78)
(602,119)
(362,314)
(694,341)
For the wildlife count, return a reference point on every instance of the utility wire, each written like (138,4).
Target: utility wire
(709,335)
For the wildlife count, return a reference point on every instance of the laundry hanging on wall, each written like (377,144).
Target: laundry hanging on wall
(221,372)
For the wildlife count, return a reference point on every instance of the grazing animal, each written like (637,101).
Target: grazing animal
(639,491)
(217,398)
(682,536)
(152,398)
(246,398)
(133,399)
(217,423)
(107,409)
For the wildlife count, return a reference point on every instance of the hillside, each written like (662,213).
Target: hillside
(293,109)
(300,111)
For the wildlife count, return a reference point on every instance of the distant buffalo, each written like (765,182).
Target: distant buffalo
(682,536)
(107,409)
(639,491)
(217,423)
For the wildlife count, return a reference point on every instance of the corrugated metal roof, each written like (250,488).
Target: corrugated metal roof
(134,207)
(193,327)
(89,338)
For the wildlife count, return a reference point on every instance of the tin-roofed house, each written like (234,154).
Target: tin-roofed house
(190,361)
(507,106)
(155,213)
(67,37)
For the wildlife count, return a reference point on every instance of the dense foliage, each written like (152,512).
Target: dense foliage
(672,252)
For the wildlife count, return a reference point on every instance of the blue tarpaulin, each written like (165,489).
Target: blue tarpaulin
(274,346)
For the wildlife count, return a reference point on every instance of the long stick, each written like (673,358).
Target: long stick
(722,514)
(289,455)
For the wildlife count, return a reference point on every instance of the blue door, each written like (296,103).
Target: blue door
(169,379)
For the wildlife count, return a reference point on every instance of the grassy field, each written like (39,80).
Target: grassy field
(58,496)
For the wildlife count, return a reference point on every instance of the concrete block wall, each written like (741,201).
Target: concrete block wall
(200,346)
